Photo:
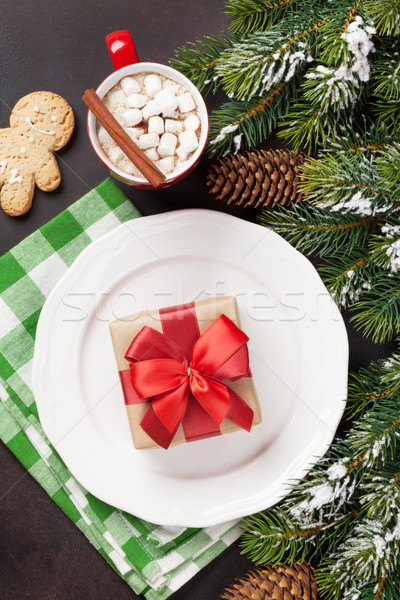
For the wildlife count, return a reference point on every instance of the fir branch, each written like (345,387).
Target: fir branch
(378,312)
(198,60)
(351,14)
(312,228)
(385,248)
(370,554)
(245,124)
(327,509)
(376,435)
(348,276)
(366,137)
(266,59)
(385,80)
(332,89)
(316,514)
(388,167)
(346,183)
(385,14)
(386,588)
(329,89)
(347,17)
(381,493)
(251,66)
(254,15)
(337,81)
(307,126)
(371,385)
(276,537)
(330,491)
(388,114)
(391,372)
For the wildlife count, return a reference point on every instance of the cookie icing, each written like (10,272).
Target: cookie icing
(14,178)
(29,122)
(3,164)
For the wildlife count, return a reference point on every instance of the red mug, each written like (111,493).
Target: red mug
(126,62)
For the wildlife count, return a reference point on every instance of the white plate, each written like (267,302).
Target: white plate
(298,356)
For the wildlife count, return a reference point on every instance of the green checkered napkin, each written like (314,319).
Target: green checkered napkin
(153,560)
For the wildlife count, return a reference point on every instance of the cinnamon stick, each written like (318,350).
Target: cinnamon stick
(142,162)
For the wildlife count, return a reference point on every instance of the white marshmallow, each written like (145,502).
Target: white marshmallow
(115,97)
(173,126)
(173,86)
(139,78)
(188,140)
(182,155)
(132,117)
(129,85)
(167,145)
(115,154)
(103,136)
(166,164)
(118,112)
(156,125)
(134,132)
(151,109)
(167,102)
(129,167)
(192,122)
(136,100)
(151,153)
(152,83)
(149,140)
(186,102)
(174,115)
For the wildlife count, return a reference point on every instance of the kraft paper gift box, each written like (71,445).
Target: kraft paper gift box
(197,316)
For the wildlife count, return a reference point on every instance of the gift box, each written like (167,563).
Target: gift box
(185,373)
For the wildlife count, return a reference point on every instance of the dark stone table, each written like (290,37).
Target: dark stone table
(59,46)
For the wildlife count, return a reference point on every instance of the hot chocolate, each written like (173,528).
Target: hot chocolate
(159,114)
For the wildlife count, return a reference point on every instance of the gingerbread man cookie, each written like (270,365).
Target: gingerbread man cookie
(40,123)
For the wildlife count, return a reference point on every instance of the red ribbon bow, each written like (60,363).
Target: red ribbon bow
(191,391)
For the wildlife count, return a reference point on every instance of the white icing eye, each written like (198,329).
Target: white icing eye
(53,118)
(36,108)
(31,139)
(22,150)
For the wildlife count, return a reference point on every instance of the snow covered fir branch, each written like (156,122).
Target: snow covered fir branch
(304,65)
(326,75)
(351,217)
(345,515)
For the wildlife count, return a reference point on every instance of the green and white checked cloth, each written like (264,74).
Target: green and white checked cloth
(153,560)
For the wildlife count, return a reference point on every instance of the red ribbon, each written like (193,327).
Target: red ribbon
(181,373)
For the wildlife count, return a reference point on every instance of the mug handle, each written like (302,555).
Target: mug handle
(121,48)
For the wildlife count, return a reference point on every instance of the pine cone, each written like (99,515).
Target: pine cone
(278,582)
(259,178)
